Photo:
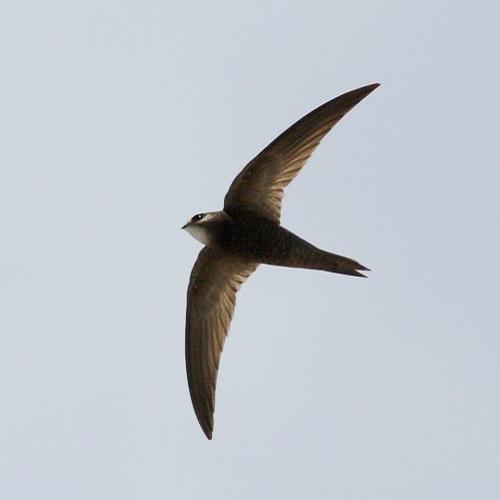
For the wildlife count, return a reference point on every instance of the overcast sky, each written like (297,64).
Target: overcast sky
(119,120)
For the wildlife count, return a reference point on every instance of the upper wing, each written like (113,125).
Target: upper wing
(259,186)
(211,298)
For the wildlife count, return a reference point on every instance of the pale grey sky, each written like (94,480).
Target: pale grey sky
(119,120)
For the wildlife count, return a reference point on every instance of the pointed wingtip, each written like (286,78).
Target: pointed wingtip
(353,97)
(368,89)
(207,426)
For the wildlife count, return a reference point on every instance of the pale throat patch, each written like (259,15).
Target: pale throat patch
(199,233)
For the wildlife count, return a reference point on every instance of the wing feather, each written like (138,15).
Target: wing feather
(211,298)
(259,186)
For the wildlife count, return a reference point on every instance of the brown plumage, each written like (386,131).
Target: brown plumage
(248,233)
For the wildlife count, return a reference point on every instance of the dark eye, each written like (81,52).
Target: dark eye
(197,217)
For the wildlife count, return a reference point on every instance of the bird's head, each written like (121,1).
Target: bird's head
(203,226)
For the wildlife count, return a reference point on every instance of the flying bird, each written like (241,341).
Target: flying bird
(246,233)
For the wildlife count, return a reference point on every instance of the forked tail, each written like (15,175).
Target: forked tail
(338,264)
(307,256)
(287,249)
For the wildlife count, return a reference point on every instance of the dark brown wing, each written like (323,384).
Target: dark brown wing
(211,297)
(259,186)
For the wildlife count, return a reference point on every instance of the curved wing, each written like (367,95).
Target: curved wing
(259,186)
(211,297)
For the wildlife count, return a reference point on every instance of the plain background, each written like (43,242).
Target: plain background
(119,120)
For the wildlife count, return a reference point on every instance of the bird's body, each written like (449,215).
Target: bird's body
(248,233)
(254,238)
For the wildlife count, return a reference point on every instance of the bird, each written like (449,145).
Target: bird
(247,233)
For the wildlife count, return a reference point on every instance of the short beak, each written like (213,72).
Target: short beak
(185,225)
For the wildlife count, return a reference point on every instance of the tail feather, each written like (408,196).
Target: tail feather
(342,265)
(291,251)
(333,263)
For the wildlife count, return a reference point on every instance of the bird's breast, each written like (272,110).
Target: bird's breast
(260,240)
